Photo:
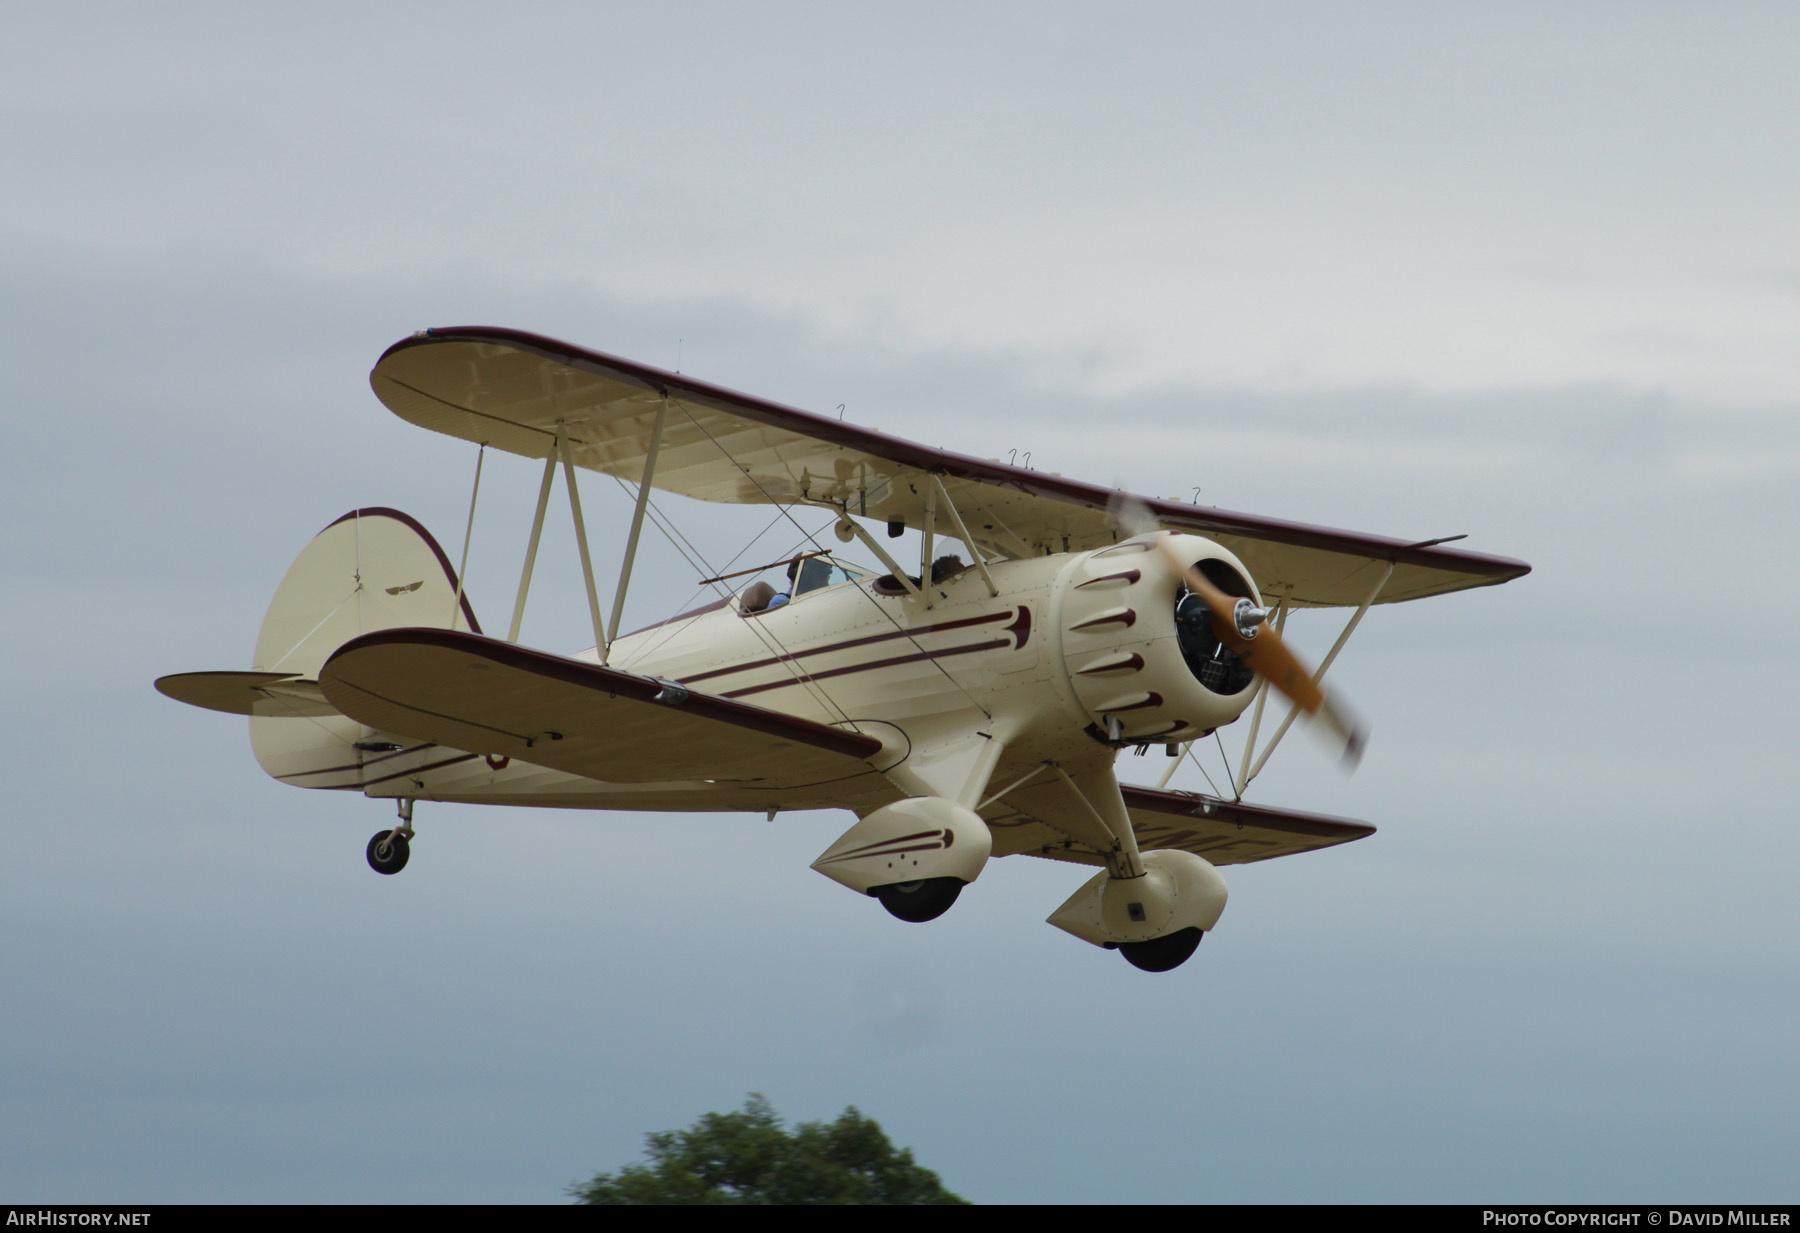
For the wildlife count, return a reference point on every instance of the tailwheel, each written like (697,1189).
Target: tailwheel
(926,899)
(1162,954)
(388,851)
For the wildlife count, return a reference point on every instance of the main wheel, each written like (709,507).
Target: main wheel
(1164,953)
(926,899)
(388,852)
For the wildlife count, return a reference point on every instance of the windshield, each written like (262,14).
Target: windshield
(817,573)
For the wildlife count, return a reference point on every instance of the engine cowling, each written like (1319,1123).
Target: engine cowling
(1139,651)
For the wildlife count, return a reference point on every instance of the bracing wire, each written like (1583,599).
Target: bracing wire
(657,517)
(1203,771)
(810,537)
(697,559)
(354,591)
(1225,761)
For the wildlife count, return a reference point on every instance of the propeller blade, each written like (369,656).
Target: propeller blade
(1245,629)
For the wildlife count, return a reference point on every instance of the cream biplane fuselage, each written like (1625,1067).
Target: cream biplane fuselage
(961,708)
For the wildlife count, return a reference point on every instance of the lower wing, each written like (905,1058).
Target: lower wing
(465,691)
(1223,832)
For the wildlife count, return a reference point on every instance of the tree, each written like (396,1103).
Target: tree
(748,1158)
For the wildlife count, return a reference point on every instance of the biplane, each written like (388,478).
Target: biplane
(963,706)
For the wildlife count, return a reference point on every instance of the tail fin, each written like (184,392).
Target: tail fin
(371,569)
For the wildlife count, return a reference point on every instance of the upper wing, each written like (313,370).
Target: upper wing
(512,390)
(473,693)
(1032,821)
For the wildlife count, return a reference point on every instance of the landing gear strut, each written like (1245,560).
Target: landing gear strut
(388,850)
(926,899)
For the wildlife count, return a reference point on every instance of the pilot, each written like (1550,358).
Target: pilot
(782,597)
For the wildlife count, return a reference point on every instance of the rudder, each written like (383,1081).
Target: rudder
(371,569)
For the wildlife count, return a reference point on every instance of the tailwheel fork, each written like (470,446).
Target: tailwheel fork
(389,849)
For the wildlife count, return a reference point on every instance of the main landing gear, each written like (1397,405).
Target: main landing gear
(388,850)
(926,899)
(1162,954)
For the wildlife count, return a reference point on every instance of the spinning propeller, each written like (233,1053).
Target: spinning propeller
(1247,631)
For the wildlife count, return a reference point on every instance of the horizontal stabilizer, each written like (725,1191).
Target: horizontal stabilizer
(474,693)
(270,694)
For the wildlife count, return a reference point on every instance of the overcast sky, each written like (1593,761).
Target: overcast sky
(1525,272)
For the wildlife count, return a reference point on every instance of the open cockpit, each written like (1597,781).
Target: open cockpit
(806,573)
